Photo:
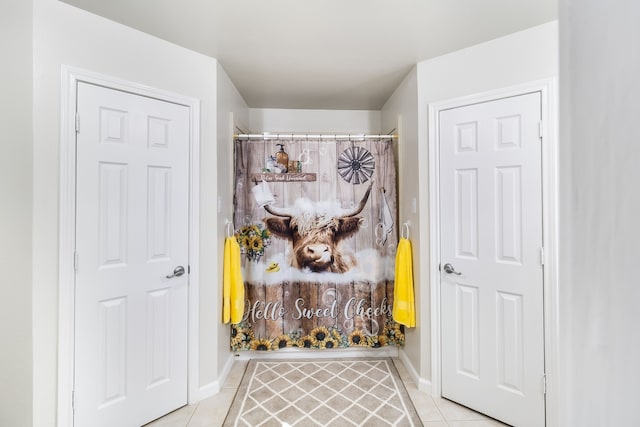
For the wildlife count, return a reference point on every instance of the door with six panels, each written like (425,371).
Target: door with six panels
(132,228)
(491,258)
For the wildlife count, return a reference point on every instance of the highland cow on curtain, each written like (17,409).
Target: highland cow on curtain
(318,244)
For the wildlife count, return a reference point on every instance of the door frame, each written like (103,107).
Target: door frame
(67,222)
(549,100)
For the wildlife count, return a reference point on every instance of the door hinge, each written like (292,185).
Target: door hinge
(188,269)
(77,122)
(76,261)
(73,400)
(544,383)
(540,129)
(541,256)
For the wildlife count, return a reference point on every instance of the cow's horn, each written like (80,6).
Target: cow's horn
(275,212)
(363,202)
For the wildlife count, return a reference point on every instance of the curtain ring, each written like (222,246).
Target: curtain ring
(405,227)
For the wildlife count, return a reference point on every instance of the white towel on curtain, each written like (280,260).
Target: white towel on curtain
(386,219)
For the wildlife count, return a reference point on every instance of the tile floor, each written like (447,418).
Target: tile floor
(433,411)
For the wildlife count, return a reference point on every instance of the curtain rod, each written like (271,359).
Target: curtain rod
(267,136)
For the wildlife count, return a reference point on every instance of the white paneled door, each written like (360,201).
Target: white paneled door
(132,234)
(491,258)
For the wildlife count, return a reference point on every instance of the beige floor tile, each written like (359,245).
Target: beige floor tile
(178,418)
(212,411)
(435,424)
(454,412)
(429,414)
(424,404)
(236,373)
(477,423)
(402,371)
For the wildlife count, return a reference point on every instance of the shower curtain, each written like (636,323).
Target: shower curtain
(318,244)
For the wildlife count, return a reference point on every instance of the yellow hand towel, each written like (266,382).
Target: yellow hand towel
(226,282)
(233,284)
(403,299)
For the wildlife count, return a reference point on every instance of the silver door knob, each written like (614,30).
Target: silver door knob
(448,268)
(177,272)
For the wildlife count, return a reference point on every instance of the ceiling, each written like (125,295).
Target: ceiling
(329,54)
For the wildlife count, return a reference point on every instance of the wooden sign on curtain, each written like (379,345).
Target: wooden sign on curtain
(318,244)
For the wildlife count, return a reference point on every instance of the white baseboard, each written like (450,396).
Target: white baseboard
(409,366)
(206,391)
(222,378)
(214,387)
(423,384)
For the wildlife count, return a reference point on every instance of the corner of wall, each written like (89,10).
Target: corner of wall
(232,110)
(401,111)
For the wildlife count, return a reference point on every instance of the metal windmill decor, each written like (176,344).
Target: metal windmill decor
(356,165)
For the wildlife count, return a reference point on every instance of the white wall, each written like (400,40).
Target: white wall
(231,106)
(401,112)
(599,211)
(276,120)
(15,214)
(66,35)
(518,58)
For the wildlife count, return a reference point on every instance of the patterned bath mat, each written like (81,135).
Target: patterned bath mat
(326,392)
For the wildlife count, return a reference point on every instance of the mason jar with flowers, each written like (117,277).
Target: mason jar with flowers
(253,239)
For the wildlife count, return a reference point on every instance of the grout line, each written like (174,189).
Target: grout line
(192,414)
(439,410)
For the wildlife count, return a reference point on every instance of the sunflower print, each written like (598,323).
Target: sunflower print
(244,241)
(357,338)
(236,337)
(241,337)
(377,341)
(336,334)
(261,345)
(398,335)
(395,333)
(282,341)
(255,243)
(253,239)
(383,340)
(320,334)
(329,343)
(236,345)
(306,342)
